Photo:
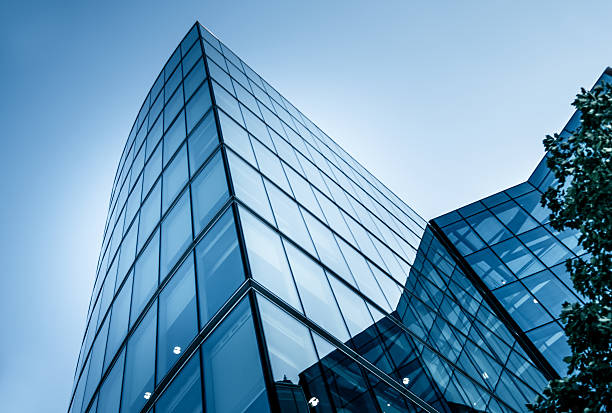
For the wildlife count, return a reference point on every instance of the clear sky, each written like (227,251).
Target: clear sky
(445,102)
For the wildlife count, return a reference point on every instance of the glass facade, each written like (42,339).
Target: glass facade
(250,264)
(506,241)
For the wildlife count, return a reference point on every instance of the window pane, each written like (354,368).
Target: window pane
(140,364)
(178,319)
(317,298)
(549,291)
(490,268)
(202,141)
(209,192)
(96,359)
(267,258)
(488,227)
(353,308)
(152,171)
(128,250)
(249,187)
(176,233)
(174,137)
(522,306)
(184,395)
(197,106)
(194,78)
(236,137)
(233,380)
(149,214)
(270,165)
(551,341)
(545,246)
(173,106)
(514,217)
(175,177)
(119,321)
(110,392)
(145,277)
(462,236)
(227,102)
(219,266)
(520,261)
(289,343)
(289,219)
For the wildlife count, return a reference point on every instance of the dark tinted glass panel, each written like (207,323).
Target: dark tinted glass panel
(197,106)
(175,233)
(145,277)
(110,392)
(184,395)
(175,178)
(202,141)
(120,317)
(233,380)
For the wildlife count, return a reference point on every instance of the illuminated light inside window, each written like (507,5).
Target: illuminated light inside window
(147,395)
(405,380)
(313,401)
(176,350)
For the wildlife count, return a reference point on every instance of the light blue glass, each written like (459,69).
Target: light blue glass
(96,360)
(174,137)
(175,177)
(237,138)
(110,392)
(119,321)
(202,141)
(249,187)
(178,317)
(197,106)
(173,107)
(185,392)
(194,78)
(233,380)
(175,234)
(520,261)
(289,343)
(219,266)
(227,102)
(270,166)
(209,192)
(522,306)
(140,365)
(267,258)
(149,214)
(146,277)
(152,170)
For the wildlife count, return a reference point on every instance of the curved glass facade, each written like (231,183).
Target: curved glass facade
(250,264)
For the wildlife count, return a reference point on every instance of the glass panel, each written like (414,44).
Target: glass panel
(119,321)
(194,78)
(520,261)
(353,308)
(522,306)
(173,106)
(490,268)
(270,165)
(233,380)
(174,137)
(149,214)
(197,106)
(202,142)
(488,227)
(549,291)
(267,258)
(175,177)
(288,218)
(249,187)
(152,171)
(317,298)
(545,246)
(514,217)
(463,238)
(209,192)
(227,102)
(140,365)
(236,137)
(110,392)
(219,266)
(96,359)
(175,233)
(531,203)
(184,395)
(288,341)
(145,277)
(178,319)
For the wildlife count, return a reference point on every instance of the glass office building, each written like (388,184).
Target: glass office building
(250,264)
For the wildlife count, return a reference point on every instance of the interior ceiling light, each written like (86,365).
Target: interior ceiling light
(313,401)
(177,350)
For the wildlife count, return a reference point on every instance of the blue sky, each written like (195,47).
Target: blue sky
(445,102)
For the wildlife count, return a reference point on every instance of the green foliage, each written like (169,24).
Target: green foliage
(581,199)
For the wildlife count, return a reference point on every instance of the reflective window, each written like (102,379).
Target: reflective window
(149,214)
(288,218)
(145,277)
(227,102)
(315,292)
(110,392)
(522,306)
(289,344)
(96,359)
(173,106)
(152,171)
(267,258)
(178,320)
(270,166)
(140,364)
(175,177)
(120,316)
(514,217)
(128,250)
(249,187)
(174,137)
(489,268)
(520,261)
(202,142)
(488,227)
(184,395)
(233,380)
(549,291)
(531,202)
(236,137)
(209,192)
(463,238)
(194,78)
(219,266)
(551,341)
(353,308)
(197,106)
(175,233)
(545,246)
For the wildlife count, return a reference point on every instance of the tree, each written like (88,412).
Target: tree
(581,199)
